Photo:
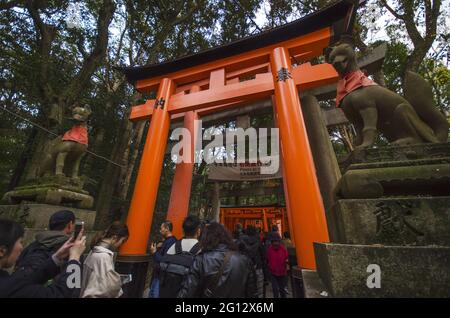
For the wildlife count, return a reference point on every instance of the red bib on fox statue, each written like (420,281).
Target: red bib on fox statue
(350,82)
(78,134)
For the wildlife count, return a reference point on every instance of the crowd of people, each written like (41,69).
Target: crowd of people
(211,262)
(207,262)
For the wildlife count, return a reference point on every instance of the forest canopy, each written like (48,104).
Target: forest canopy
(55,54)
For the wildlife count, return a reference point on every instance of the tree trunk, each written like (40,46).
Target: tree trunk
(39,149)
(106,192)
(97,139)
(215,209)
(24,157)
(140,128)
(416,58)
(111,179)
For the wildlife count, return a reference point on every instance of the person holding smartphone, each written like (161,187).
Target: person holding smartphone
(31,284)
(61,226)
(100,280)
(169,239)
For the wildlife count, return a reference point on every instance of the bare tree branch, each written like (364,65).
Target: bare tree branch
(410,24)
(119,48)
(431,15)
(45,35)
(80,46)
(392,11)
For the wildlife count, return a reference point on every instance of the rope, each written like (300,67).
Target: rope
(56,135)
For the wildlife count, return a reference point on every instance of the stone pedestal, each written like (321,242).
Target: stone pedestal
(390,228)
(53,190)
(422,170)
(391,221)
(405,271)
(313,285)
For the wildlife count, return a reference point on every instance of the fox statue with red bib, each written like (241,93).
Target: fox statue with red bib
(66,151)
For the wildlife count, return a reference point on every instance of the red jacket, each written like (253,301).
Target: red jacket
(277,259)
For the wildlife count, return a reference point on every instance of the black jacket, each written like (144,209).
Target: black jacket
(39,251)
(251,247)
(30,284)
(237,281)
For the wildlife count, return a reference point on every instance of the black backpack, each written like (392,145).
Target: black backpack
(174,268)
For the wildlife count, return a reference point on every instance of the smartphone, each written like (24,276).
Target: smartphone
(128,278)
(78,227)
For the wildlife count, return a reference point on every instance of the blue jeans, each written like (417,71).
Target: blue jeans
(154,289)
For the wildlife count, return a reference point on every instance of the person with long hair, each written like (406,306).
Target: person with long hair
(30,284)
(219,270)
(100,280)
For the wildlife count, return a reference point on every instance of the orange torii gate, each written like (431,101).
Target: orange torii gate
(210,81)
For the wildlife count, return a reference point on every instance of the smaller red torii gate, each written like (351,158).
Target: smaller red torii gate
(253,215)
(210,81)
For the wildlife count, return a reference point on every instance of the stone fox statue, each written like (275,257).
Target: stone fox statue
(66,151)
(371,108)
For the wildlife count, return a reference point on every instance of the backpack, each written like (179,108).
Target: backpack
(174,268)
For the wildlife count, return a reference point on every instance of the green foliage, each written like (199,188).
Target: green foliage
(394,63)
(438,75)
(143,32)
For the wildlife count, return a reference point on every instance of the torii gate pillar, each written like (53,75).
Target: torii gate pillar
(308,215)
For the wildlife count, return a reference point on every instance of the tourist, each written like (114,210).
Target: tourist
(260,234)
(166,232)
(219,270)
(191,229)
(30,284)
(277,257)
(99,276)
(287,242)
(238,231)
(175,265)
(61,226)
(255,251)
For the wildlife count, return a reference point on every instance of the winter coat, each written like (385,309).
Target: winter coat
(277,259)
(39,251)
(252,248)
(30,284)
(236,281)
(100,280)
